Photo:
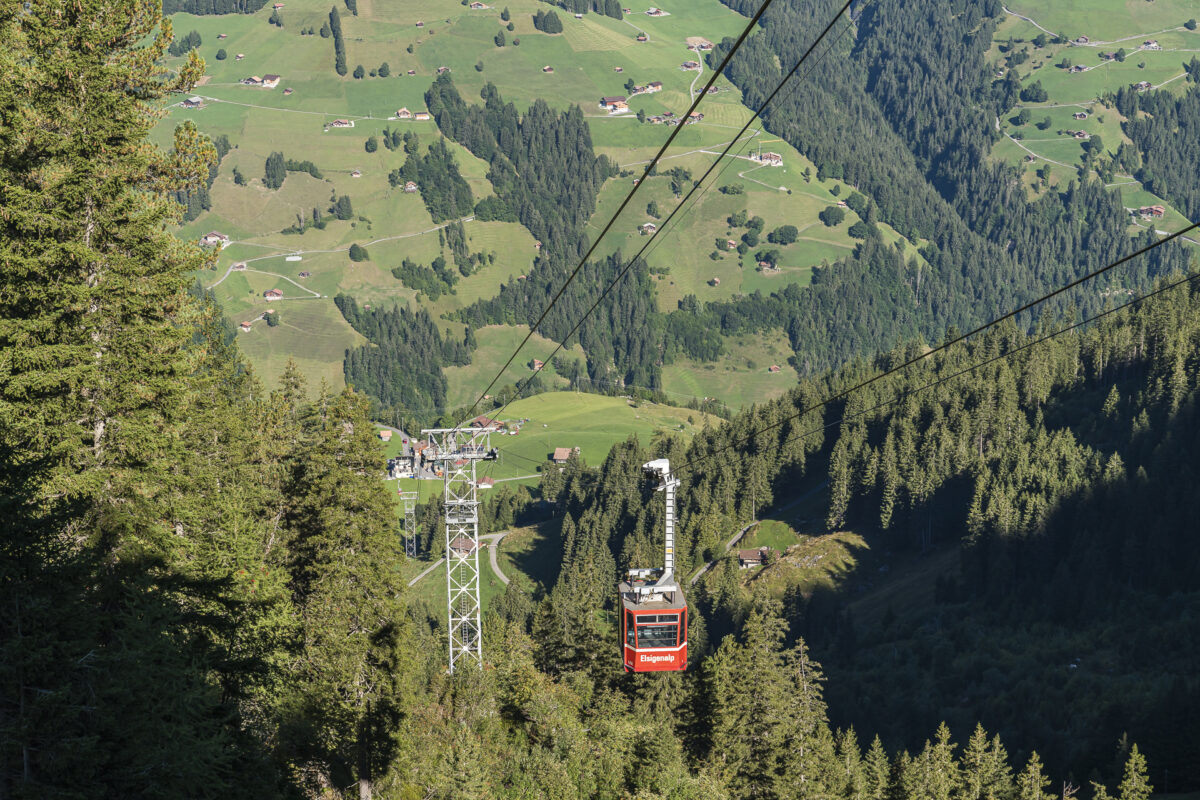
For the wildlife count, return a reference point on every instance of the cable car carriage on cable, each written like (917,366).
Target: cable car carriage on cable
(653,609)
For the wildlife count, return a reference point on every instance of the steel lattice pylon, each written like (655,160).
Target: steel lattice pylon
(456,451)
(409,499)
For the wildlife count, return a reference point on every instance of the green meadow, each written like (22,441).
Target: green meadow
(1106,20)
(310,331)
(393,225)
(741,377)
(1110,25)
(593,423)
(683,251)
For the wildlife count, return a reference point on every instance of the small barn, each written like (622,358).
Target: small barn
(461,546)
(753,558)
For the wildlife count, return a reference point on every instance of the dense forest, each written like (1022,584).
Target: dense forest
(1061,474)
(903,110)
(1166,141)
(401,364)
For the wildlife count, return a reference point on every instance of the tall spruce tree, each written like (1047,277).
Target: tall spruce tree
(350,672)
(117,623)
(274,171)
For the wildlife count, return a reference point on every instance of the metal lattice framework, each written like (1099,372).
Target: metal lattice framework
(409,500)
(456,451)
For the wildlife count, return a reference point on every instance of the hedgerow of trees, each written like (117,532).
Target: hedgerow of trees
(339,43)
(204,7)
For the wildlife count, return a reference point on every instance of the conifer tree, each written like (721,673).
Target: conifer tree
(985,770)
(1135,784)
(274,172)
(351,670)
(102,696)
(745,689)
(1033,781)
(877,772)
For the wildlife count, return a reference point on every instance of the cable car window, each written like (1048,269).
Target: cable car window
(629,630)
(657,635)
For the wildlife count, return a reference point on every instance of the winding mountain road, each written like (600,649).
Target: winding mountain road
(699,72)
(493,545)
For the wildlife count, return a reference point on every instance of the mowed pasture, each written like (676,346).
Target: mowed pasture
(495,343)
(310,331)
(1119,24)
(593,423)
(741,378)
(1134,196)
(1103,77)
(1106,20)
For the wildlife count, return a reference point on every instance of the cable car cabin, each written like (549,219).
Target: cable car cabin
(653,625)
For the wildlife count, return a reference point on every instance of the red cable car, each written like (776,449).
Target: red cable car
(653,608)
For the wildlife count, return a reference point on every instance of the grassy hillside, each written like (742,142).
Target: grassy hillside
(593,423)
(593,56)
(742,377)
(1076,77)
(310,331)
(682,252)
(1105,19)
(496,344)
